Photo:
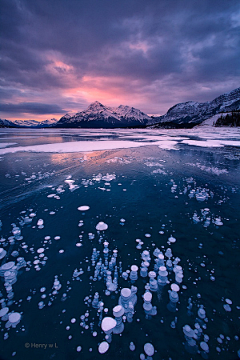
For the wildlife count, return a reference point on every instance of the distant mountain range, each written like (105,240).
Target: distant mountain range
(97,115)
(27,123)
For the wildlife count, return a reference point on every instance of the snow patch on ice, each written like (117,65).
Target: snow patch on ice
(4,145)
(211,170)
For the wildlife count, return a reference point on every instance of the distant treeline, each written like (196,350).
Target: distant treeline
(232,119)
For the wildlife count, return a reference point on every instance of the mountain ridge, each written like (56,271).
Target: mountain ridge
(98,115)
(191,113)
(182,115)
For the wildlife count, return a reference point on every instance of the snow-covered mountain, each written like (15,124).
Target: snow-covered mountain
(98,115)
(7,123)
(35,123)
(47,123)
(26,123)
(192,113)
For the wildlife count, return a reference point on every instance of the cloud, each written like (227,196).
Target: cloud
(32,107)
(150,54)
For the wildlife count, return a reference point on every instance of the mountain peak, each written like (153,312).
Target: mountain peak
(96,105)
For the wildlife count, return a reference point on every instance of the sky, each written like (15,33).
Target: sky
(58,56)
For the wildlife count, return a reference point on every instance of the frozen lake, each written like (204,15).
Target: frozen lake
(79,208)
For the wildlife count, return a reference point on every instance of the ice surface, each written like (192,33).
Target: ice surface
(160,138)
(195,202)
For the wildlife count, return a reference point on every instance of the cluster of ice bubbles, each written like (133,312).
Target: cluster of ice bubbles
(98,178)
(105,268)
(9,271)
(157,271)
(166,272)
(206,218)
(192,190)
(196,335)
(114,325)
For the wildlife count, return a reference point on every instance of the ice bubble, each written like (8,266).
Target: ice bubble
(206,337)
(40,250)
(125,275)
(73,320)
(228,301)
(175,287)
(118,311)
(79,348)
(103,347)
(57,238)
(40,222)
(204,346)
(148,235)
(188,331)
(218,221)
(41,305)
(14,253)
(172,239)
(6,267)
(83,208)
(3,312)
(42,289)
(108,323)
(134,268)
(227,307)
(2,253)
(61,251)
(14,318)
(132,346)
(149,349)
(147,296)
(101,226)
